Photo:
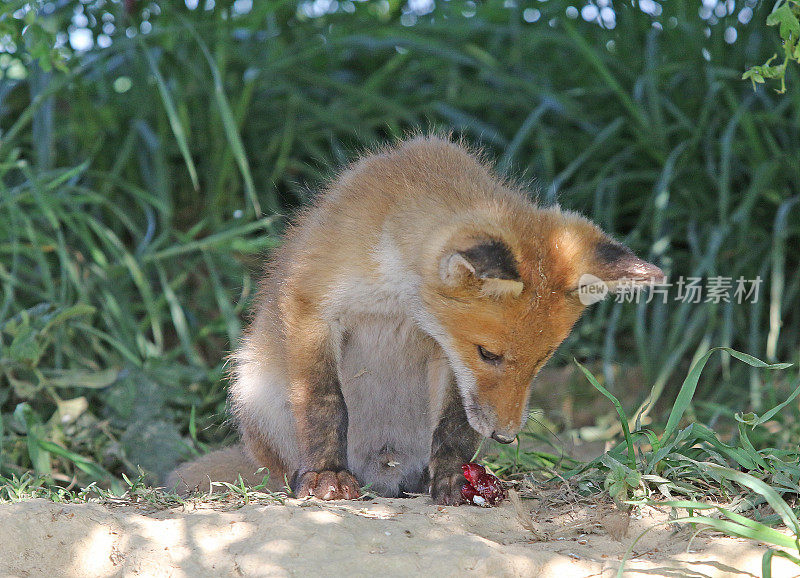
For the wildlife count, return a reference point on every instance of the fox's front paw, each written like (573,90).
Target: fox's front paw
(328,485)
(446,488)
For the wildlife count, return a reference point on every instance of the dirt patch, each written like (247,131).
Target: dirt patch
(384,537)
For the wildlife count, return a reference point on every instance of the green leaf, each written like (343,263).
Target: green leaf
(733,529)
(82,463)
(762,488)
(753,74)
(747,446)
(620,479)
(789,25)
(774,71)
(753,361)
(34,430)
(744,527)
(24,346)
(766,561)
(81,378)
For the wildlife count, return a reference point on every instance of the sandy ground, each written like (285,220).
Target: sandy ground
(383,537)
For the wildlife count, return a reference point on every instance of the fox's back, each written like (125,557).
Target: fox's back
(410,198)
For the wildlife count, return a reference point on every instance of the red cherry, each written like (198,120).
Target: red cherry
(481,483)
(491,489)
(473,472)
(468,493)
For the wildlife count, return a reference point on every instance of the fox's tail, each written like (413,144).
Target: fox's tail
(225,465)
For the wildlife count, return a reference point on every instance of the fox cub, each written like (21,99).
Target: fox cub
(403,318)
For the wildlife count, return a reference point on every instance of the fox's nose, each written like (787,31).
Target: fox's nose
(503,439)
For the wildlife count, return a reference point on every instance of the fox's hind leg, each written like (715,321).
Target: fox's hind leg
(225,465)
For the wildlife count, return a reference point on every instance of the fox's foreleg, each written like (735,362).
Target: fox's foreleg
(454,443)
(319,412)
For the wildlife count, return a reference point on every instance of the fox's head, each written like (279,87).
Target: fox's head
(507,296)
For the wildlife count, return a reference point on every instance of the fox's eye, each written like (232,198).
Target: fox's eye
(488,356)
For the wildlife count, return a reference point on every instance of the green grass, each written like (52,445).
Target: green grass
(142,184)
(686,469)
(137,493)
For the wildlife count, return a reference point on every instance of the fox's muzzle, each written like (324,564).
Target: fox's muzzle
(503,439)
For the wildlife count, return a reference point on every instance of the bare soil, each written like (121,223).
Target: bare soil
(380,537)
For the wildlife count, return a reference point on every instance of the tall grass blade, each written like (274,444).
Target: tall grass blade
(172,115)
(631,457)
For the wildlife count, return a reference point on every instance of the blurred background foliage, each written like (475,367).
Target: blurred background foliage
(150,152)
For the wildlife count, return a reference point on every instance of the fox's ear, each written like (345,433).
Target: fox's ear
(620,269)
(490,263)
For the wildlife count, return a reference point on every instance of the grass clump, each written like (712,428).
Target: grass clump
(688,468)
(138,493)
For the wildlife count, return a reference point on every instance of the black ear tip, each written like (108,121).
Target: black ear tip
(492,259)
(622,263)
(611,252)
